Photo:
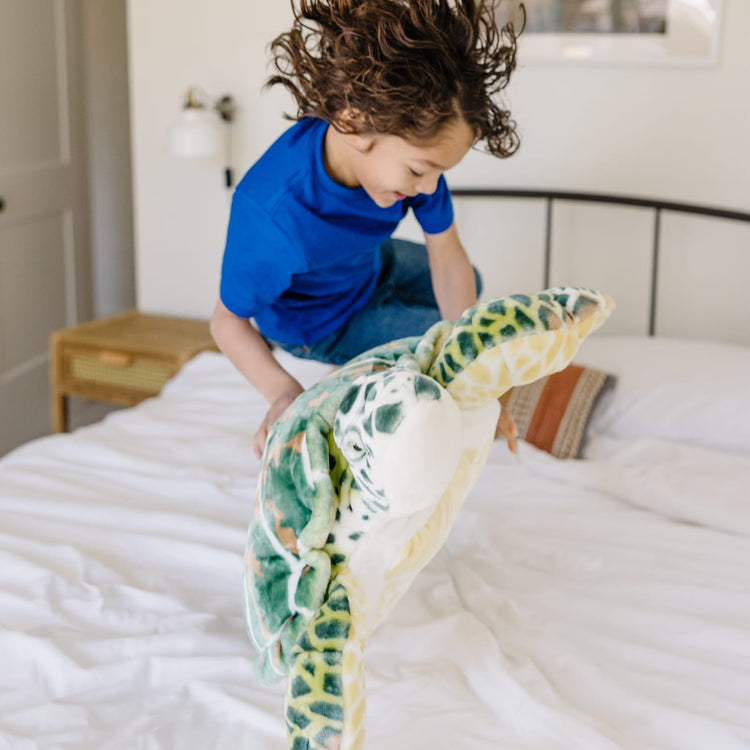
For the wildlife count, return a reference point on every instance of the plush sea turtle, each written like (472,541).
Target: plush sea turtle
(361,480)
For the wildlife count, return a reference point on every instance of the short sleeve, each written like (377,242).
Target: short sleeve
(434,212)
(259,261)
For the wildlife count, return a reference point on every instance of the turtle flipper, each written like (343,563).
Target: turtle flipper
(516,340)
(286,573)
(325,702)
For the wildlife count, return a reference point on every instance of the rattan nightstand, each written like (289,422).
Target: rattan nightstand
(120,360)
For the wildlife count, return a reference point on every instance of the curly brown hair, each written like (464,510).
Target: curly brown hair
(406,67)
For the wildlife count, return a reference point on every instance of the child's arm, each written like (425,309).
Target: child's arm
(245,348)
(452,274)
(455,290)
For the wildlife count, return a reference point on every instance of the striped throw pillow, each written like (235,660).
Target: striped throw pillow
(552,412)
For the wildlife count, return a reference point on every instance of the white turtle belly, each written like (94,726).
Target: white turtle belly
(388,559)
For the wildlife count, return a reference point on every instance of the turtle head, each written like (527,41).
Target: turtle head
(401,434)
(516,340)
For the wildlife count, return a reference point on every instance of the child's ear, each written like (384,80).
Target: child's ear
(351,121)
(355,125)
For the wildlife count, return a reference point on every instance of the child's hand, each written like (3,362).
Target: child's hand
(276,410)
(506,428)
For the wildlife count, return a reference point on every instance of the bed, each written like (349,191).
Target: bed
(592,604)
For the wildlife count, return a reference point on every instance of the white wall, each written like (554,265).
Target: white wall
(676,133)
(670,133)
(181,206)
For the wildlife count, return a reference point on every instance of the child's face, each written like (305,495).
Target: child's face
(391,168)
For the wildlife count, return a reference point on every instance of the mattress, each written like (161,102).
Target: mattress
(586,604)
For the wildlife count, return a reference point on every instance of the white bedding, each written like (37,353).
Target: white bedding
(588,604)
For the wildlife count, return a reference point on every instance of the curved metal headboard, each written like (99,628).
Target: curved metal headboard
(658,206)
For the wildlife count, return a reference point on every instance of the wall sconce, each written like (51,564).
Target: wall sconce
(203,129)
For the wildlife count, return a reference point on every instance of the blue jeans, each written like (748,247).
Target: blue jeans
(403,304)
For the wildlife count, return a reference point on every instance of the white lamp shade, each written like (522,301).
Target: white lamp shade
(196,133)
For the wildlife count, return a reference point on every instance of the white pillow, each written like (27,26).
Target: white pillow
(672,389)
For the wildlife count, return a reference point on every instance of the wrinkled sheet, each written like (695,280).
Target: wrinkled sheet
(592,604)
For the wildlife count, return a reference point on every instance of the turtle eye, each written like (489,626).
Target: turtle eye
(353,446)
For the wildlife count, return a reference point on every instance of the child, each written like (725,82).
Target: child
(390,94)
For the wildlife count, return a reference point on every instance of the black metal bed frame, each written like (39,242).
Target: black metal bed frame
(657,206)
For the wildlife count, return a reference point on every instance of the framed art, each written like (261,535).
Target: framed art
(633,32)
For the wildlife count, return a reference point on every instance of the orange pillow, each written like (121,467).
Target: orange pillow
(552,413)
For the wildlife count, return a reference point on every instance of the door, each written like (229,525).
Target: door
(44,249)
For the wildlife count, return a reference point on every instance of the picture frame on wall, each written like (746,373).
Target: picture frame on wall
(618,32)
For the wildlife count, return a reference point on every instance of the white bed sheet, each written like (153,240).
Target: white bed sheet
(590,604)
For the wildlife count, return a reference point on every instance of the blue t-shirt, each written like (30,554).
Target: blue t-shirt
(303,252)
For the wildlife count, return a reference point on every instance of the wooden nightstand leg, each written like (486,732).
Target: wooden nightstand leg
(58,401)
(59,413)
